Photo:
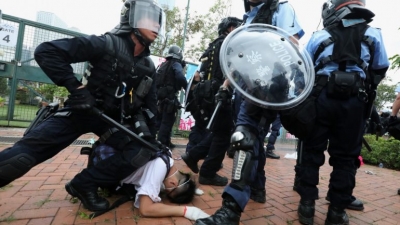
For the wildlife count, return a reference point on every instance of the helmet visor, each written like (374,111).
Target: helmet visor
(147,15)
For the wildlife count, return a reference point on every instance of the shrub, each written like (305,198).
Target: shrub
(386,151)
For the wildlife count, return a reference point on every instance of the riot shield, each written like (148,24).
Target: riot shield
(267,66)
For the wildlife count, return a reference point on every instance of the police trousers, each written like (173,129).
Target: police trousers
(257,176)
(215,144)
(58,132)
(339,129)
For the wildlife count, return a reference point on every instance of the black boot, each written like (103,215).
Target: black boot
(354,205)
(306,211)
(228,214)
(271,154)
(398,192)
(192,164)
(258,195)
(336,216)
(216,180)
(90,199)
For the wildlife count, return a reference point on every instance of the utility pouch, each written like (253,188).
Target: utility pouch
(42,114)
(162,93)
(203,90)
(300,120)
(343,85)
(144,86)
(140,125)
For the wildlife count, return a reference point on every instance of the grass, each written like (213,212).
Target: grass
(42,202)
(5,187)
(23,115)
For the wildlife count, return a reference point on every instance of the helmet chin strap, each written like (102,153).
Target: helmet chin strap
(140,37)
(254,4)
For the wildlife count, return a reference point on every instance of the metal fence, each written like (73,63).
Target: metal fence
(21,79)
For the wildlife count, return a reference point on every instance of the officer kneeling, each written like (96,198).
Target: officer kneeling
(119,83)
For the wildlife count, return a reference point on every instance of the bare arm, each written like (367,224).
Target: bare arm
(396,105)
(148,208)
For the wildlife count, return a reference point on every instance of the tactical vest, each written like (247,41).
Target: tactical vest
(210,65)
(165,80)
(345,51)
(114,79)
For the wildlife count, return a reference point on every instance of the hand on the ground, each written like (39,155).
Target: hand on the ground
(194,213)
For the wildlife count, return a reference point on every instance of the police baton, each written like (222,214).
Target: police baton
(213,115)
(128,132)
(366,144)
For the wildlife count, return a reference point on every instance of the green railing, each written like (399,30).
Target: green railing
(20,76)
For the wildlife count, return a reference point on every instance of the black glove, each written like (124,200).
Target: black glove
(81,99)
(224,96)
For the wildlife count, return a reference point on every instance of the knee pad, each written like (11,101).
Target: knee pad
(243,162)
(16,166)
(243,139)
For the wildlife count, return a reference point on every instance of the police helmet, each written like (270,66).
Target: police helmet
(228,22)
(333,11)
(174,52)
(141,14)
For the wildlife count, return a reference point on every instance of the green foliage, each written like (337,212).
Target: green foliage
(384,94)
(49,91)
(2,100)
(3,87)
(202,27)
(22,95)
(395,61)
(386,151)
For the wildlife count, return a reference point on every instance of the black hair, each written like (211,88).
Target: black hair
(186,196)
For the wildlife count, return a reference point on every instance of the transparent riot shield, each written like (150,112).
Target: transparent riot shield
(267,66)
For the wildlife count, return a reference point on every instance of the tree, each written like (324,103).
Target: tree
(174,30)
(202,27)
(209,27)
(384,94)
(3,86)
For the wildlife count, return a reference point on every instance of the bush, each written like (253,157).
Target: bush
(386,151)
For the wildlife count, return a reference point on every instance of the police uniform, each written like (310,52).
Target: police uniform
(170,79)
(199,131)
(248,132)
(215,143)
(341,115)
(284,17)
(114,77)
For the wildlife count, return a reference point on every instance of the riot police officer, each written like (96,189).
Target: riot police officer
(206,94)
(249,70)
(119,83)
(352,55)
(169,80)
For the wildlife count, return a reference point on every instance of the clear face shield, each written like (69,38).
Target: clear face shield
(267,66)
(148,16)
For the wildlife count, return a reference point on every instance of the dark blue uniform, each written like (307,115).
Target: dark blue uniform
(341,122)
(60,130)
(167,116)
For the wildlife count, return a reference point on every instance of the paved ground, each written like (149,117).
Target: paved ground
(39,197)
